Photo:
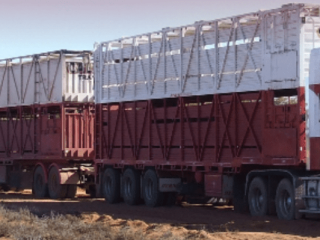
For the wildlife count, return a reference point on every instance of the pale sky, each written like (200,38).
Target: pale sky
(35,26)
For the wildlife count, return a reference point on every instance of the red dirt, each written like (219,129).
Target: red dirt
(219,222)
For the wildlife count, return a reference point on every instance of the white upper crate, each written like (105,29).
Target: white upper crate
(60,76)
(250,52)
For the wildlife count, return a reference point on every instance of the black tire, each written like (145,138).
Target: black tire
(131,187)
(39,185)
(56,190)
(71,191)
(258,197)
(151,194)
(111,185)
(285,200)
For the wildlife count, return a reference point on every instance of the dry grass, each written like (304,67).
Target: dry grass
(22,224)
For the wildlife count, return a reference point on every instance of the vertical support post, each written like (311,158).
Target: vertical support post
(64,127)
(38,128)
(21,82)
(199,126)
(88,123)
(108,143)
(36,66)
(181,58)
(285,30)
(273,34)
(181,128)
(216,47)
(235,36)
(236,103)
(8,131)
(264,100)
(149,127)
(84,126)
(64,73)
(165,127)
(164,39)
(21,130)
(150,65)
(198,32)
(76,131)
(135,130)
(135,66)
(121,112)
(121,87)
(108,72)
(98,132)
(8,81)
(98,80)
(217,119)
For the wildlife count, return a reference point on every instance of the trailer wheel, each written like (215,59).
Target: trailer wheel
(285,200)
(56,190)
(151,194)
(258,197)
(111,185)
(131,187)
(71,191)
(40,188)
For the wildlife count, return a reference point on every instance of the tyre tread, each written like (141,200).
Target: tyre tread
(258,182)
(114,195)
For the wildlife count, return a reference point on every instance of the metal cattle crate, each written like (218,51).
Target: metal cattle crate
(53,77)
(62,131)
(251,52)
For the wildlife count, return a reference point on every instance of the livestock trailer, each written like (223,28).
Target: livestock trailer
(215,109)
(47,122)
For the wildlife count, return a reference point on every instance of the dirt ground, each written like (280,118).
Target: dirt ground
(184,222)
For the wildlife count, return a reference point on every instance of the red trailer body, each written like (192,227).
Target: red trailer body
(45,136)
(207,133)
(60,132)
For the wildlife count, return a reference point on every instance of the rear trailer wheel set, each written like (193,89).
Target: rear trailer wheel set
(54,182)
(260,198)
(133,187)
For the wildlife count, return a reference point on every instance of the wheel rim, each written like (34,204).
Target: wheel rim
(149,189)
(286,202)
(257,200)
